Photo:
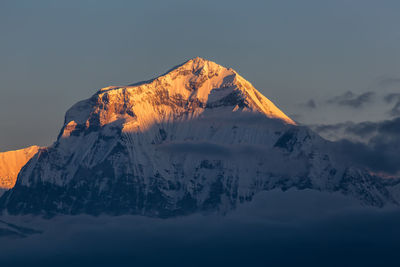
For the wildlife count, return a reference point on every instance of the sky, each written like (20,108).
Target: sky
(321,62)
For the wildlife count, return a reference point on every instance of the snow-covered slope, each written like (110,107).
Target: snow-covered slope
(11,163)
(199,137)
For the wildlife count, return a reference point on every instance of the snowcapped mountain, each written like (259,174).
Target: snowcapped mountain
(11,163)
(199,137)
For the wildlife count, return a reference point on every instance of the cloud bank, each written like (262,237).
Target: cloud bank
(372,145)
(303,228)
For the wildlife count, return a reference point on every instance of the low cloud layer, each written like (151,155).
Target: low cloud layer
(272,159)
(306,228)
(373,145)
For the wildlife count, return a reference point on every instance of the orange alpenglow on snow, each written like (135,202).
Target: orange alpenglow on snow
(198,82)
(11,162)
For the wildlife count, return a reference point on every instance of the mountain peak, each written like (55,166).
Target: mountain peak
(208,81)
(186,91)
(198,64)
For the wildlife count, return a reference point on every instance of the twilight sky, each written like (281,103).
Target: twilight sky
(319,61)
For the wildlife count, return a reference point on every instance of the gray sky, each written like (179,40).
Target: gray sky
(54,53)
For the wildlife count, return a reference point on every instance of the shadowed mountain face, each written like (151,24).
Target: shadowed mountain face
(197,138)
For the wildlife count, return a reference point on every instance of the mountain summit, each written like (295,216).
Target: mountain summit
(197,138)
(185,92)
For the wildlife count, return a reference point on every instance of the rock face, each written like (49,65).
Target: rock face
(199,137)
(11,163)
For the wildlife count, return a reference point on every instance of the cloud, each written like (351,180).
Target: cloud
(378,156)
(201,148)
(393,98)
(352,100)
(372,145)
(276,228)
(355,131)
(310,104)
(380,103)
(395,111)
(212,149)
(204,153)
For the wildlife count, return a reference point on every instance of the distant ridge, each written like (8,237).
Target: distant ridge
(11,163)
